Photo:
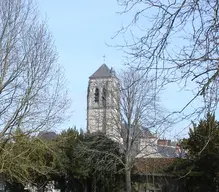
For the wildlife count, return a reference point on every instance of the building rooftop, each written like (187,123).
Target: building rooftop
(48,136)
(103,72)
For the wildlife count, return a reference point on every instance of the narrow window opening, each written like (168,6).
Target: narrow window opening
(104,96)
(96,95)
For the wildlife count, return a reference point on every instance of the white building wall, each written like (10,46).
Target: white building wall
(148,148)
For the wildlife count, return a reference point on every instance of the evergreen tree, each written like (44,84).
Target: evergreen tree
(199,171)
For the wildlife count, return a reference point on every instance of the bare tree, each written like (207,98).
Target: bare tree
(142,119)
(32,95)
(126,108)
(176,41)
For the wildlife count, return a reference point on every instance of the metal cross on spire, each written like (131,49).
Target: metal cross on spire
(104,58)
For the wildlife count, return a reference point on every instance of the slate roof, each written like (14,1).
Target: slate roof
(146,132)
(141,132)
(102,72)
(167,151)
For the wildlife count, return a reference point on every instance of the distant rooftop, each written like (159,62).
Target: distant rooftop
(48,136)
(103,72)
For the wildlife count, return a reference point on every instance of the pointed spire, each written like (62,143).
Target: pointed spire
(102,72)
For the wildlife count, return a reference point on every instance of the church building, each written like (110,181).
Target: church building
(103,101)
(104,115)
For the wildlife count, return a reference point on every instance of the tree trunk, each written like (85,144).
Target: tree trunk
(128,180)
(85,186)
(61,184)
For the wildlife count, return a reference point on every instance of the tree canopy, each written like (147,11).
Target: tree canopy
(87,161)
(32,93)
(199,171)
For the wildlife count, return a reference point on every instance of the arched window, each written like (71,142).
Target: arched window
(96,95)
(104,96)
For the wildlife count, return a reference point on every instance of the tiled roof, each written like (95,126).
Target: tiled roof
(152,165)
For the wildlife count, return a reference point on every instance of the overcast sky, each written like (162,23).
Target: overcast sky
(81,30)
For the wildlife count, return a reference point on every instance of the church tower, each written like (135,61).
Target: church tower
(103,101)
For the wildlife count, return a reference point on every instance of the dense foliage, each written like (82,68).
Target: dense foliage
(92,162)
(73,161)
(199,171)
(87,161)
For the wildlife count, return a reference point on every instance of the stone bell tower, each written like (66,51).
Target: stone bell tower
(103,101)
